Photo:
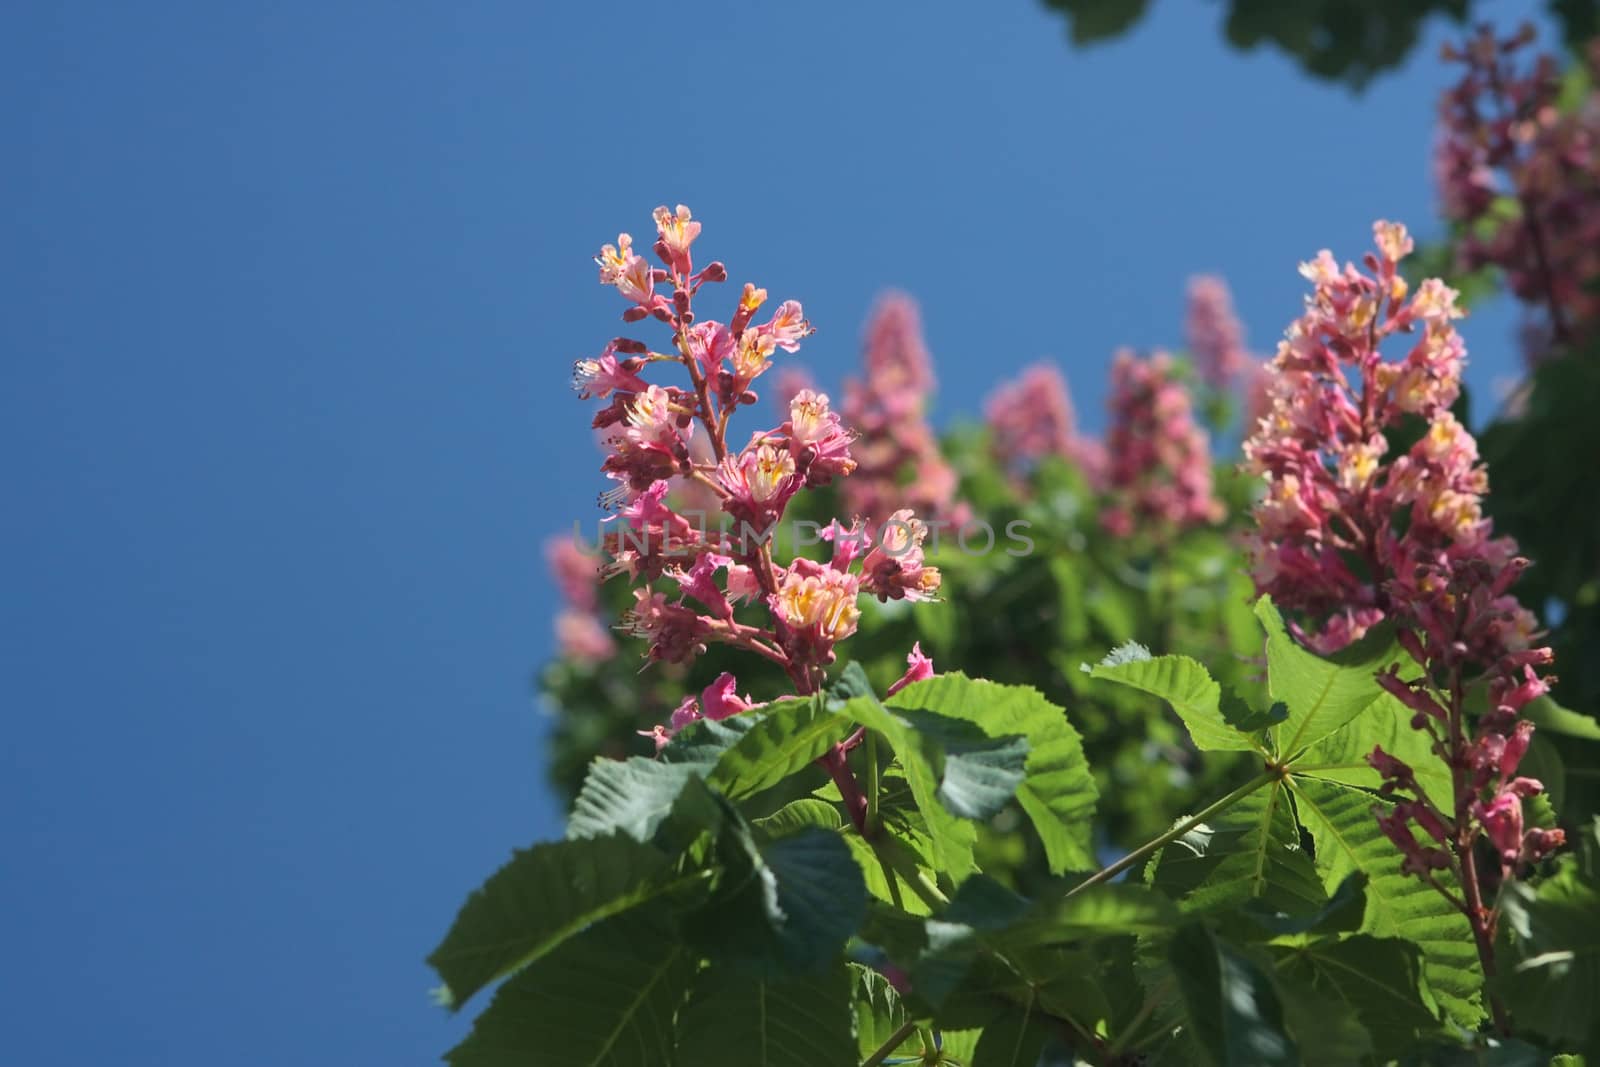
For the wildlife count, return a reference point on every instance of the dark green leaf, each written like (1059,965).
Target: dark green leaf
(632,797)
(545,895)
(783,740)
(1251,852)
(789,906)
(1378,979)
(1230,1004)
(1016,1039)
(605,998)
(733,1020)
(1552,960)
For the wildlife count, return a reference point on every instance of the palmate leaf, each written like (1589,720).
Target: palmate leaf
(605,998)
(1230,1005)
(1378,981)
(732,1020)
(1251,852)
(543,896)
(1342,755)
(1345,829)
(1057,791)
(1189,688)
(1321,695)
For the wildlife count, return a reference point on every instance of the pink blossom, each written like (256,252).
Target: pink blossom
(600,376)
(676,231)
(919,668)
(894,569)
(711,344)
(576,572)
(1032,417)
(1213,333)
(720,700)
(582,639)
(818,441)
(898,461)
(1520,174)
(1159,475)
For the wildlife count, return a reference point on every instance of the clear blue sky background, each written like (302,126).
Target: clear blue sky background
(290,297)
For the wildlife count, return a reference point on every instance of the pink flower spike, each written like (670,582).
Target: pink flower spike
(1214,336)
(920,668)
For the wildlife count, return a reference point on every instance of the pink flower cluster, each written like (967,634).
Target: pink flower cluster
(1349,536)
(692,577)
(898,457)
(1159,467)
(580,634)
(1523,177)
(1032,417)
(1213,332)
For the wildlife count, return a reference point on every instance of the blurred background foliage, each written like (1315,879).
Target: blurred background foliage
(1345,40)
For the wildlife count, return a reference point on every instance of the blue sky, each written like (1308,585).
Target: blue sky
(290,302)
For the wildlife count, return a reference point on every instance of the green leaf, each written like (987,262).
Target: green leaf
(1105,910)
(783,740)
(1057,791)
(543,896)
(1230,1004)
(1551,963)
(632,797)
(790,904)
(1343,912)
(1343,825)
(1251,852)
(732,1020)
(1379,980)
(978,774)
(1193,694)
(1551,717)
(851,683)
(950,837)
(797,815)
(1385,722)
(879,1012)
(605,998)
(1016,1039)
(882,880)
(1322,694)
(1327,1032)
